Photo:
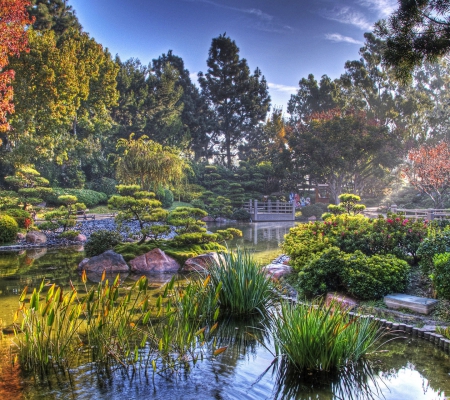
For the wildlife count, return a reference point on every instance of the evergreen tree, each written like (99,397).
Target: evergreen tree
(53,15)
(239,99)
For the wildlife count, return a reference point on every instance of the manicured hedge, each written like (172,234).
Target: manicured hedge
(8,229)
(90,198)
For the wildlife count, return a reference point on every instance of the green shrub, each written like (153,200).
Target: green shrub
(90,198)
(354,273)
(104,185)
(241,215)
(436,242)
(441,275)
(314,210)
(101,241)
(165,196)
(22,217)
(69,235)
(8,229)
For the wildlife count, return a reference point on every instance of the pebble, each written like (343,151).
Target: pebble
(129,229)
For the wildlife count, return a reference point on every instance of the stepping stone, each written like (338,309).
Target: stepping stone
(421,305)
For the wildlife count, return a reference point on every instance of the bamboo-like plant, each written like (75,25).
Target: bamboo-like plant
(246,289)
(321,337)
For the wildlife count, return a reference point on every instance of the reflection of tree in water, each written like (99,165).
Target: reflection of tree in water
(413,354)
(354,382)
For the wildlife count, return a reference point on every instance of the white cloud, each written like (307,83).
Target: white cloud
(282,88)
(346,15)
(265,22)
(383,8)
(337,37)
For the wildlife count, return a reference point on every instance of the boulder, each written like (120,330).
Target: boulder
(155,261)
(344,301)
(108,261)
(208,219)
(20,236)
(80,238)
(313,218)
(277,271)
(36,237)
(200,263)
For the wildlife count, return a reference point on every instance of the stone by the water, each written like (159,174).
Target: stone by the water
(108,261)
(155,261)
(421,305)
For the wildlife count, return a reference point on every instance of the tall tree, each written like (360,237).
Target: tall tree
(418,31)
(14,20)
(148,164)
(53,15)
(239,99)
(428,169)
(341,148)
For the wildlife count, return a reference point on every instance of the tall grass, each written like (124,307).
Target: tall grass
(114,326)
(246,289)
(321,337)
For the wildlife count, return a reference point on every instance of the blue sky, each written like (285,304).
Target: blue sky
(286,39)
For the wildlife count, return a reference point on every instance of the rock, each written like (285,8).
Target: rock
(34,254)
(221,219)
(313,218)
(80,238)
(108,261)
(277,271)
(155,261)
(345,301)
(20,236)
(200,263)
(208,219)
(36,237)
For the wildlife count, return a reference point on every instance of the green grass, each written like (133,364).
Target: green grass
(176,204)
(101,210)
(321,337)
(245,287)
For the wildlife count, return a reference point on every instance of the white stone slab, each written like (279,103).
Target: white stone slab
(421,305)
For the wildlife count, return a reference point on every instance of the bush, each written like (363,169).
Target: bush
(436,242)
(22,217)
(165,196)
(101,241)
(441,275)
(8,229)
(104,185)
(241,215)
(315,210)
(354,273)
(69,235)
(90,198)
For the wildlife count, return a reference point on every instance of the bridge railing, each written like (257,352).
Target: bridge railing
(270,210)
(424,213)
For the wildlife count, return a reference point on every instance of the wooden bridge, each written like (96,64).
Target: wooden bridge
(265,211)
(429,214)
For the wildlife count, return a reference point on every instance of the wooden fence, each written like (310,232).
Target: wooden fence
(265,211)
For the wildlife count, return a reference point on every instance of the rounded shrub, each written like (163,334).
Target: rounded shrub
(69,235)
(355,273)
(165,196)
(22,217)
(441,275)
(436,242)
(101,241)
(8,229)
(241,215)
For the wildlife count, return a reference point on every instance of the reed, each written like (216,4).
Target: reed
(246,289)
(114,326)
(321,337)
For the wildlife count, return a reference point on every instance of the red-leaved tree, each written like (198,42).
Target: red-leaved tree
(14,19)
(428,170)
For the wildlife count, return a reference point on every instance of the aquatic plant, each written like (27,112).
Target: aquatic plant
(321,337)
(246,288)
(114,326)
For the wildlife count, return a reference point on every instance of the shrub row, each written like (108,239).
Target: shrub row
(90,198)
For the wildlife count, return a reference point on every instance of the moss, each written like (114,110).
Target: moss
(130,251)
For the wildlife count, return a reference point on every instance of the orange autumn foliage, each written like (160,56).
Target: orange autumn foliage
(14,19)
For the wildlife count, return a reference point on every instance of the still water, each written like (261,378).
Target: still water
(404,368)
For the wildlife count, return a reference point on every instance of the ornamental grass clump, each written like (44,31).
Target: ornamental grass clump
(246,289)
(321,337)
(116,327)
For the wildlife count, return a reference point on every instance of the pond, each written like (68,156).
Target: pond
(404,368)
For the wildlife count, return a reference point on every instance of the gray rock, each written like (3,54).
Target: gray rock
(108,261)
(36,237)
